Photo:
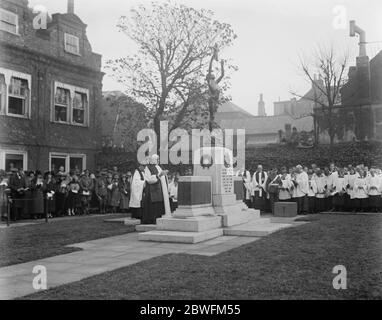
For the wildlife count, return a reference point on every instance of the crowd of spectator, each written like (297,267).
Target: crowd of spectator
(34,194)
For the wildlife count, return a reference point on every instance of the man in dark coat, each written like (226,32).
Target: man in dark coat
(17,184)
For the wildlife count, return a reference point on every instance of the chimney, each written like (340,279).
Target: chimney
(363,65)
(70,6)
(354,29)
(261,107)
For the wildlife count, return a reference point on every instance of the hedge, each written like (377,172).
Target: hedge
(273,156)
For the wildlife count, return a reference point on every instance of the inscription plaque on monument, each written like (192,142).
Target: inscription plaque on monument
(226,181)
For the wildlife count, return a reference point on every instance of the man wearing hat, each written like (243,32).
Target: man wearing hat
(86,184)
(17,185)
(101,191)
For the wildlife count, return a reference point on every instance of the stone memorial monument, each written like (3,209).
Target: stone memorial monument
(207,202)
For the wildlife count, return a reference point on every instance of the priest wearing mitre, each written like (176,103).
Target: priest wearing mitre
(156,200)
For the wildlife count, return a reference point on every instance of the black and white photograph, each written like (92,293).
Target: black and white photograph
(197,152)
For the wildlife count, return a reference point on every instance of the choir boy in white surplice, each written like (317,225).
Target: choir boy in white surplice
(259,180)
(321,185)
(374,190)
(286,185)
(339,190)
(301,187)
(350,179)
(360,191)
(156,202)
(247,186)
(312,192)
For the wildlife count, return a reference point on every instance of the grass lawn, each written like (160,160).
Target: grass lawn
(31,242)
(294,263)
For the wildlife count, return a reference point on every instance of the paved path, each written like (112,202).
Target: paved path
(102,255)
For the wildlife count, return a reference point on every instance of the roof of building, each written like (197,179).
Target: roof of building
(267,125)
(229,107)
(114,93)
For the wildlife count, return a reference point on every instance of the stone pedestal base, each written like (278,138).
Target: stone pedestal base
(260,227)
(233,212)
(185,230)
(179,236)
(195,224)
(194,211)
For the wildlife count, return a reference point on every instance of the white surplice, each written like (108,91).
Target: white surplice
(137,185)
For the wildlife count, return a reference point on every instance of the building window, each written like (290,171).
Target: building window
(70,162)
(79,107)
(13,159)
(72,44)
(378,115)
(61,105)
(18,93)
(9,21)
(3,93)
(15,97)
(70,105)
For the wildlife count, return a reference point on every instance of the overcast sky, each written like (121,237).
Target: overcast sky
(271,36)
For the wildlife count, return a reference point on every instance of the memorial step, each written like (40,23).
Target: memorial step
(255,228)
(145,227)
(192,224)
(234,217)
(179,236)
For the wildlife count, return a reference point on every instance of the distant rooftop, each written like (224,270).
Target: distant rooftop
(229,107)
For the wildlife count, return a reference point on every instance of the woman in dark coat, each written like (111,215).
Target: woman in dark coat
(37,188)
(50,194)
(115,194)
(101,192)
(86,184)
(28,198)
(61,193)
(124,189)
(109,185)
(4,193)
(74,197)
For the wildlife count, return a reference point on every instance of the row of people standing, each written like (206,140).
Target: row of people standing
(74,194)
(352,188)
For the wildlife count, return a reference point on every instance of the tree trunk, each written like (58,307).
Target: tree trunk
(157,130)
(212,114)
(331,129)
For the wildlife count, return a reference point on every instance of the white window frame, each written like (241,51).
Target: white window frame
(67,157)
(17,21)
(84,109)
(72,89)
(4,152)
(67,36)
(8,75)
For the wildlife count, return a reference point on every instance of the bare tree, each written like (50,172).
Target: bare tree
(327,75)
(168,72)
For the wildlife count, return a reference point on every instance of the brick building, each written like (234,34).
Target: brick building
(51,91)
(261,130)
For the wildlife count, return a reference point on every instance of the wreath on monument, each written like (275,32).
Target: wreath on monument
(206,161)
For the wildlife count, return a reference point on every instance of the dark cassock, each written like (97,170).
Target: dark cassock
(17,185)
(37,188)
(125,193)
(156,200)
